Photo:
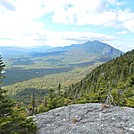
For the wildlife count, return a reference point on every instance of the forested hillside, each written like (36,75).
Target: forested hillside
(22,91)
(112,81)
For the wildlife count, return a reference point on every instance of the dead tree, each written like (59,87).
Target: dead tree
(110,99)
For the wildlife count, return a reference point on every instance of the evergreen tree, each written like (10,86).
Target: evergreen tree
(59,89)
(11,121)
(5,104)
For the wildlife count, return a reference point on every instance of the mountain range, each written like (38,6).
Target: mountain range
(41,69)
(43,60)
(8,52)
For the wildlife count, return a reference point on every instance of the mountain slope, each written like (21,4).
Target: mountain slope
(111,82)
(94,47)
(115,77)
(38,62)
(74,54)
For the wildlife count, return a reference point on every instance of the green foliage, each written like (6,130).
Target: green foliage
(130,102)
(16,124)
(116,76)
(11,120)
(23,90)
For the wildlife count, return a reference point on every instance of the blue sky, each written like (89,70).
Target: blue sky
(65,22)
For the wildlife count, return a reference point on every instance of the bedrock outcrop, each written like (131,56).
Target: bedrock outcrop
(88,118)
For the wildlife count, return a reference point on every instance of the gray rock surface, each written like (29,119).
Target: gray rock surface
(86,119)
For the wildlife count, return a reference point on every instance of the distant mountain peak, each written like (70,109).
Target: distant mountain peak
(94,47)
(90,47)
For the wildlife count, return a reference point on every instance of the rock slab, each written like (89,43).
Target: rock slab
(88,118)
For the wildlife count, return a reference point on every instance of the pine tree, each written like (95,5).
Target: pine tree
(59,89)
(5,104)
(11,121)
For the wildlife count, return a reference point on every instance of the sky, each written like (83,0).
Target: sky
(65,22)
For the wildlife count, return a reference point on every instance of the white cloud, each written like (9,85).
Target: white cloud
(19,23)
(115,2)
(46,37)
(18,27)
(129,25)
(124,15)
(96,19)
(79,12)
(124,45)
(122,32)
(87,12)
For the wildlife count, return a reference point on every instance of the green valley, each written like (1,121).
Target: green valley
(39,70)
(56,60)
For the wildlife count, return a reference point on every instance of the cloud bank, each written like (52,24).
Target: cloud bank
(21,21)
